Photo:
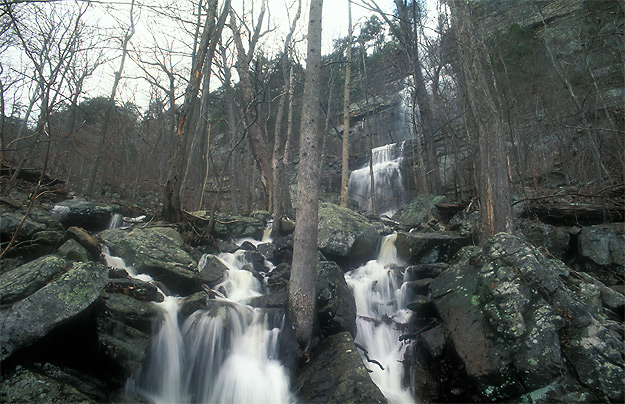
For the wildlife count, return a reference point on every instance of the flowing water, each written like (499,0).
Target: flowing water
(388,180)
(381,309)
(227,354)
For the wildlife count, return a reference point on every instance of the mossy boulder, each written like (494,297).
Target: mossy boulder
(344,233)
(336,374)
(156,251)
(27,320)
(71,250)
(26,279)
(415,212)
(518,326)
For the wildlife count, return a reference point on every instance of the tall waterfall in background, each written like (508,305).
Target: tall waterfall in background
(381,309)
(226,354)
(388,180)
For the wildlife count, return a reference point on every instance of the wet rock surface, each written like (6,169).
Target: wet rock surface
(336,374)
(156,251)
(31,318)
(518,327)
(344,234)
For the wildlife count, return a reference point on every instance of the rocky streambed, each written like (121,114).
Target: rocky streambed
(536,317)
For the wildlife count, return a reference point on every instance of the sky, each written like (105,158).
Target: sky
(154,32)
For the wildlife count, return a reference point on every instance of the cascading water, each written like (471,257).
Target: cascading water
(388,181)
(381,309)
(226,354)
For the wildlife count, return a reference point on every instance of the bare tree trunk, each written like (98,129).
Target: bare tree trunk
(281,186)
(202,121)
(111,104)
(172,206)
(300,314)
(494,184)
(346,88)
(260,148)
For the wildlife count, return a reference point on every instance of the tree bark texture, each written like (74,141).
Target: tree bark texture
(260,148)
(302,286)
(172,204)
(494,184)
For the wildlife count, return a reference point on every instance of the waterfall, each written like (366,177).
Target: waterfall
(388,180)
(381,309)
(226,354)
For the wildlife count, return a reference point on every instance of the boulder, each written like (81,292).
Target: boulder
(336,307)
(26,279)
(554,240)
(603,245)
(344,233)
(212,270)
(193,303)
(87,215)
(156,251)
(428,248)
(38,234)
(71,250)
(336,374)
(31,318)
(415,212)
(518,328)
(124,332)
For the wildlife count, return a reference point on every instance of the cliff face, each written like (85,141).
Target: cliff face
(586,37)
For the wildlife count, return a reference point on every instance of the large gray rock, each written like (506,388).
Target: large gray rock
(415,212)
(344,233)
(38,234)
(30,319)
(87,215)
(29,278)
(212,270)
(518,327)
(603,244)
(156,251)
(336,374)
(428,248)
(71,250)
(553,239)
(336,308)
(124,331)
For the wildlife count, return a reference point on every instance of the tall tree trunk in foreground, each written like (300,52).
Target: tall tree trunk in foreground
(172,204)
(300,314)
(345,152)
(494,184)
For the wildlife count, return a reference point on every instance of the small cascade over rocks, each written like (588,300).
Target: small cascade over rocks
(226,353)
(381,309)
(388,179)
